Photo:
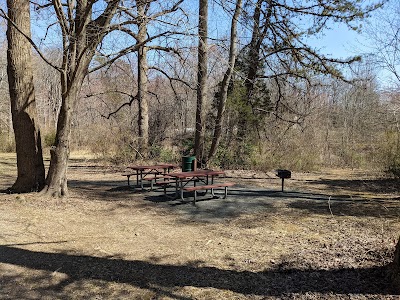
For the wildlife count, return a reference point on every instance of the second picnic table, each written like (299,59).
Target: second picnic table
(204,177)
(149,170)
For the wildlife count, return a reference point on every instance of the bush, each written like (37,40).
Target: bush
(394,167)
(235,155)
(50,139)
(391,153)
(6,144)
(162,154)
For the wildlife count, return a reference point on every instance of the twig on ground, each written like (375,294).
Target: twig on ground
(329,205)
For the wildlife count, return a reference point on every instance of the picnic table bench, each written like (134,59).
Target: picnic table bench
(211,187)
(204,177)
(148,173)
(160,175)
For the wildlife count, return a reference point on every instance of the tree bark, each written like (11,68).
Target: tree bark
(143,121)
(202,87)
(31,173)
(254,51)
(253,60)
(223,92)
(56,181)
(396,267)
(79,49)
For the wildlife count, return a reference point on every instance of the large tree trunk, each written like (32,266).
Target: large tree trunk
(143,121)
(81,36)
(31,173)
(253,66)
(202,87)
(76,59)
(223,92)
(396,267)
(56,181)
(261,24)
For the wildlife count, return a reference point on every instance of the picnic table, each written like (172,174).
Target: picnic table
(150,172)
(205,178)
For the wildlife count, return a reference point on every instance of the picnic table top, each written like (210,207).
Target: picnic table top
(198,173)
(153,167)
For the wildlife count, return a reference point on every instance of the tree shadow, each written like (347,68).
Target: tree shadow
(244,199)
(320,203)
(153,276)
(376,186)
(249,200)
(211,209)
(356,208)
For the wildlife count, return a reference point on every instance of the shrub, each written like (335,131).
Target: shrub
(6,144)
(50,139)
(162,154)
(391,153)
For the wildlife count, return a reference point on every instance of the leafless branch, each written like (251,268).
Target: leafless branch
(132,99)
(171,79)
(5,16)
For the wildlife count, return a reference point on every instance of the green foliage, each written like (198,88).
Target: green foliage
(124,155)
(50,139)
(394,168)
(266,156)
(236,155)
(392,153)
(185,143)
(248,103)
(162,154)
(6,144)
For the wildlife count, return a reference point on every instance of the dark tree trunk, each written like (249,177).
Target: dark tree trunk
(223,92)
(396,267)
(56,181)
(202,87)
(254,50)
(261,23)
(79,50)
(143,121)
(31,173)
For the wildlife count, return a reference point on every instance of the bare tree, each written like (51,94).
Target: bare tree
(80,37)
(383,33)
(143,15)
(202,85)
(6,131)
(143,121)
(223,90)
(31,173)
(83,31)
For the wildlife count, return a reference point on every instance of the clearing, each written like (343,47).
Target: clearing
(330,235)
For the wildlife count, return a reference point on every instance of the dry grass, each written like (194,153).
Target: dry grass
(104,242)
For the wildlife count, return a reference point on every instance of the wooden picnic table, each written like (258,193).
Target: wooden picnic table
(204,177)
(150,170)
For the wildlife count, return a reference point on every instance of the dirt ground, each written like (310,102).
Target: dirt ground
(330,235)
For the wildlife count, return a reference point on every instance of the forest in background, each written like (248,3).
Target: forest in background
(139,80)
(295,124)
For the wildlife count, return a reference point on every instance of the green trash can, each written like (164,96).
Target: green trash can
(188,163)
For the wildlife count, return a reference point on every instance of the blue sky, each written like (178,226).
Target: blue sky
(337,42)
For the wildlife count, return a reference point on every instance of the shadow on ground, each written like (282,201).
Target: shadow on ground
(244,199)
(249,200)
(159,278)
(376,186)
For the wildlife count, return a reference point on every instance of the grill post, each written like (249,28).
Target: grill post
(283,174)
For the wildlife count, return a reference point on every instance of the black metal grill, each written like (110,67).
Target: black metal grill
(283,174)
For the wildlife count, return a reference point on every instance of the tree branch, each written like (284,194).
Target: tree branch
(5,16)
